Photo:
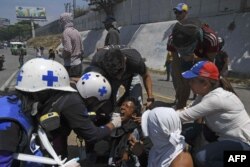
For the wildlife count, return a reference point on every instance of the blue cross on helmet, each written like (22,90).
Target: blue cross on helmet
(93,84)
(41,74)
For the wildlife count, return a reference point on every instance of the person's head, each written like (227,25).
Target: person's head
(203,77)
(181,11)
(94,89)
(109,22)
(130,107)
(221,42)
(186,35)
(66,20)
(113,62)
(163,126)
(39,77)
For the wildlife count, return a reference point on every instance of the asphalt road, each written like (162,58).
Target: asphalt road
(163,90)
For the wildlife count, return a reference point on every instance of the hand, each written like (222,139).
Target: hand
(116,120)
(136,146)
(148,105)
(137,119)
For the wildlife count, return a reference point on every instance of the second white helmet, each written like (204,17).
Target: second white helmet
(93,84)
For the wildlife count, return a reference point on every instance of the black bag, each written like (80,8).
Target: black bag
(192,130)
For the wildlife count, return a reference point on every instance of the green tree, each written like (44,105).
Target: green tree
(20,31)
(106,5)
(80,12)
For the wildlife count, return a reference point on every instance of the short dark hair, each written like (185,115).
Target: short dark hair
(113,62)
(186,32)
(136,103)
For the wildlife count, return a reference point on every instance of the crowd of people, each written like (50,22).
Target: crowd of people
(63,98)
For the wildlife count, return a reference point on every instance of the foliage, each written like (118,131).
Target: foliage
(80,12)
(20,31)
(106,5)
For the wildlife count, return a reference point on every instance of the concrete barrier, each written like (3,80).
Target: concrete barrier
(150,40)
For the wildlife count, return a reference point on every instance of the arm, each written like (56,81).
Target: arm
(147,80)
(78,120)
(67,47)
(225,66)
(183,159)
(207,106)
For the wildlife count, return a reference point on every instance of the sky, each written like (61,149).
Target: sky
(53,8)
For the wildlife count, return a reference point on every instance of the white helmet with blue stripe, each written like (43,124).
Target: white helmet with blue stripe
(41,74)
(93,84)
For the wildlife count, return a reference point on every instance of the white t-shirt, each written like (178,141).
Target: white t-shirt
(224,114)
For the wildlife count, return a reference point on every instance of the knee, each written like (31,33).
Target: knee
(200,159)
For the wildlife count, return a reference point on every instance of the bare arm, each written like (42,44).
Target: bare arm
(147,80)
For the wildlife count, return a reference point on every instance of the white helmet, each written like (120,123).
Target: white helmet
(93,84)
(40,74)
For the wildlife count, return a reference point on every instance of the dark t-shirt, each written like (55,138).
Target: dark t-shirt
(220,59)
(74,115)
(112,38)
(134,62)
(134,65)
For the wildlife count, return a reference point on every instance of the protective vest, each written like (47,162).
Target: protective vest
(10,110)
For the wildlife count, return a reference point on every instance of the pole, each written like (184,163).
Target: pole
(32,29)
(74,8)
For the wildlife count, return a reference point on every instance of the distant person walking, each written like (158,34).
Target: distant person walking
(113,36)
(72,47)
(42,51)
(38,52)
(52,54)
(167,64)
(21,55)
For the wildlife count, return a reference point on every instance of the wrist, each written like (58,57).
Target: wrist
(110,126)
(150,99)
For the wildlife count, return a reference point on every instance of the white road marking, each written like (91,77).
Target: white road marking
(7,83)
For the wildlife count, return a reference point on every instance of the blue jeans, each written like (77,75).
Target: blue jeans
(211,155)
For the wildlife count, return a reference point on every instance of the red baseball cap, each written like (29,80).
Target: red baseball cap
(205,69)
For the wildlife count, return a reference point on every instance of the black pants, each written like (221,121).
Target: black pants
(74,71)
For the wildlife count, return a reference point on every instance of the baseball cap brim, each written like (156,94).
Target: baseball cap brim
(177,9)
(189,74)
